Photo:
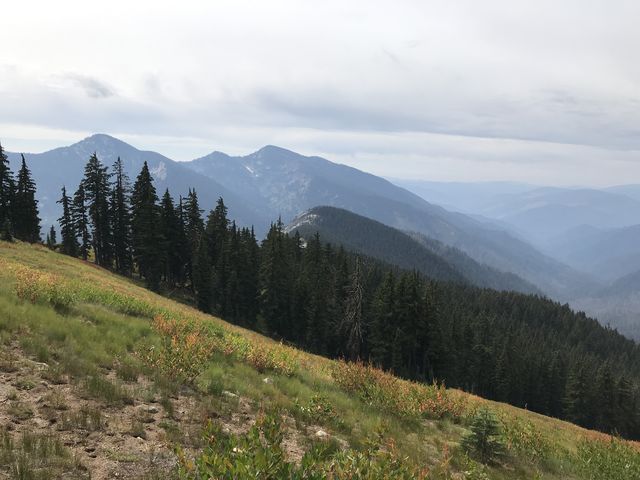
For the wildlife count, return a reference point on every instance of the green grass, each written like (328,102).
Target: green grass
(102,333)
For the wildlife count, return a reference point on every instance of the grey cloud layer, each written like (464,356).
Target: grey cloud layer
(444,89)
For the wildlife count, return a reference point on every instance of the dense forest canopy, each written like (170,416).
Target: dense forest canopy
(522,349)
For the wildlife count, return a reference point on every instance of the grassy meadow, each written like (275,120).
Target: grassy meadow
(101,376)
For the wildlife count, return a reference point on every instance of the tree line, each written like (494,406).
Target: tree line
(522,349)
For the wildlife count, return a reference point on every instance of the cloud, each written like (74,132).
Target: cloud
(448,89)
(93,87)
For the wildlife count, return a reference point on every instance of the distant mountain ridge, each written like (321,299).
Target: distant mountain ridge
(409,251)
(65,166)
(276,182)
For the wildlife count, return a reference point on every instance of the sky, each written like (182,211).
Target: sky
(542,91)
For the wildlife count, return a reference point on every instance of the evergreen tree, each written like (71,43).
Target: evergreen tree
(80,217)
(382,324)
(219,241)
(96,190)
(193,228)
(120,216)
(202,276)
(7,187)
(6,231)
(69,245)
(52,239)
(25,221)
(275,282)
(145,225)
(172,230)
(484,441)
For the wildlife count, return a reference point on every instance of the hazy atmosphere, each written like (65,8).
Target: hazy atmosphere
(546,93)
(342,240)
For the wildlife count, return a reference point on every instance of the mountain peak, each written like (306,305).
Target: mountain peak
(271,151)
(102,139)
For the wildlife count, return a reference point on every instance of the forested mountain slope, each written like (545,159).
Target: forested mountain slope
(290,183)
(406,250)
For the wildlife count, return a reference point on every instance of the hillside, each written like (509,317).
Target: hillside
(102,378)
(290,183)
(430,257)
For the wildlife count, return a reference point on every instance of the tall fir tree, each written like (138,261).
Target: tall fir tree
(174,246)
(203,276)
(52,238)
(69,240)
(80,217)
(145,226)
(219,241)
(120,215)
(96,188)
(193,228)
(7,190)
(25,220)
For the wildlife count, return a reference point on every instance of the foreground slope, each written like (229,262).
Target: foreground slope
(102,378)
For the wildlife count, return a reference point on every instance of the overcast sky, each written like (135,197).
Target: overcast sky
(538,91)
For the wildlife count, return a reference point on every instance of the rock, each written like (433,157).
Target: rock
(228,394)
(152,409)
(321,434)
(267,380)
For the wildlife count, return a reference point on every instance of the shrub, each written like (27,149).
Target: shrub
(36,286)
(383,390)
(484,441)
(605,459)
(183,350)
(319,409)
(521,436)
(259,455)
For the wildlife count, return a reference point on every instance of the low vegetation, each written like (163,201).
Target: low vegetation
(102,359)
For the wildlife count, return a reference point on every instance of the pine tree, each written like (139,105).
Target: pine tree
(96,189)
(120,215)
(52,239)
(145,225)
(25,221)
(7,190)
(217,232)
(275,282)
(175,246)
(484,441)
(193,228)
(69,245)
(202,276)
(382,325)
(80,217)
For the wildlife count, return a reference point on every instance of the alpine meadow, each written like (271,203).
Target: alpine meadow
(442,285)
